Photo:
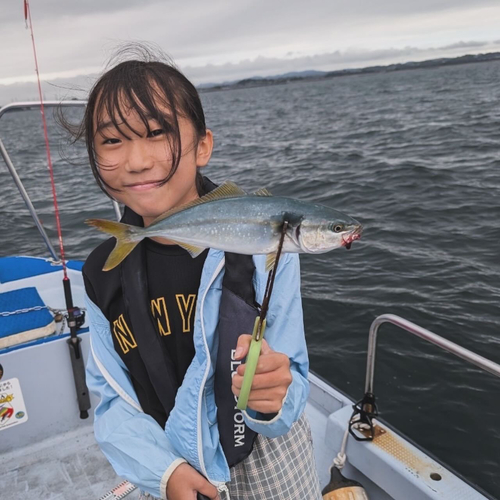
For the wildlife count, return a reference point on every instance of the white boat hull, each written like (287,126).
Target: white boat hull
(52,453)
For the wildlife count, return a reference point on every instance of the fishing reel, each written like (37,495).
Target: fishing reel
(75,318)
(362,418)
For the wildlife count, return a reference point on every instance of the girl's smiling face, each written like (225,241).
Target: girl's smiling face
(146,136)
(134,159)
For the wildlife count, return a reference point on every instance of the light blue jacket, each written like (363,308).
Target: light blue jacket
(133,442)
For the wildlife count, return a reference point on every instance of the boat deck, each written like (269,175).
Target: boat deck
(69,466)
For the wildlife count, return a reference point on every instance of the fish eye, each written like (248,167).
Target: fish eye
(337,228)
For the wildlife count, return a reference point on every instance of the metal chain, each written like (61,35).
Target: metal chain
(37,308)
(55,312)
(21,311)
(63,323)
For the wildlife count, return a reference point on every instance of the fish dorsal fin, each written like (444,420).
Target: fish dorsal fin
(226,190)
(262,192)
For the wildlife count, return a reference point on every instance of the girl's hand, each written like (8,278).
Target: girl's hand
(185,482)
(272,377)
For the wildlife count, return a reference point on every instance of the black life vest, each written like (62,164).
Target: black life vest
(127,284)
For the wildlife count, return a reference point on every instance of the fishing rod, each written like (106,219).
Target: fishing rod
(258,330)
(75,316)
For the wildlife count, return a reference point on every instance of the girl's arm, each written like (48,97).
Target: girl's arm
(284,334)
(132,441)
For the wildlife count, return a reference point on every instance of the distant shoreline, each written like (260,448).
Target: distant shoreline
(322,75)
(255,81)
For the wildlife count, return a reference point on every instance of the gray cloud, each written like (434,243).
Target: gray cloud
(52,9)
(220,39)
(465,45)
(260,66)
(238,13)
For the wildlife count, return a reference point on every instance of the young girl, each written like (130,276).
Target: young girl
(169,333)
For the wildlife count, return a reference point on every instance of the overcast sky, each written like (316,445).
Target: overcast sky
(223,40)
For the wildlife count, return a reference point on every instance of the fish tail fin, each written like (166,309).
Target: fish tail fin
(127,238)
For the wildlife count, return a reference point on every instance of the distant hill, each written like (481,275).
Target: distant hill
(78,86)
(259,81)
(300,74)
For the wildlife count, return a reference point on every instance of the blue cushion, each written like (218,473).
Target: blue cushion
(23,298)
(16,268)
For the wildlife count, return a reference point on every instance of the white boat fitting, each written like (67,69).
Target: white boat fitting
(48,451)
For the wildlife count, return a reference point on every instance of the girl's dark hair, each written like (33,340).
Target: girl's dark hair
(154,89)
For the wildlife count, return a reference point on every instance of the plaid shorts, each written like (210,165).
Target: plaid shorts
(282,468)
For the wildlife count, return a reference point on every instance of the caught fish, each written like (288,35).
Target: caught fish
(229,219)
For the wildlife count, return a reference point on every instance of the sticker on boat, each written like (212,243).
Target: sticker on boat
(12,408)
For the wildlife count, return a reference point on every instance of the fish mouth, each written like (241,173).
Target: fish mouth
(354,235)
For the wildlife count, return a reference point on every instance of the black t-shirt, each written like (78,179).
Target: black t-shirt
(173,282)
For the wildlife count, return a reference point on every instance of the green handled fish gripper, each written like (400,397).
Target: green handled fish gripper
(259,328)
(251,362)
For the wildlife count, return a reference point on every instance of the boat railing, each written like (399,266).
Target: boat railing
(33,105)
(473,358)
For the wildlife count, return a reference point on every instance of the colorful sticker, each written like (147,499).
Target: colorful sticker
(12,408)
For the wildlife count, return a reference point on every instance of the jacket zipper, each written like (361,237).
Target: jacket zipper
(220,486)
(223,492)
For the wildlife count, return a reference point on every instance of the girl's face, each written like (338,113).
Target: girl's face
(135,164)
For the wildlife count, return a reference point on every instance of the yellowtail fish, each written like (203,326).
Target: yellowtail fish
(229,219)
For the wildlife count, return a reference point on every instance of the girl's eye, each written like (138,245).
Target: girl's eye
(111,141)
(156,132)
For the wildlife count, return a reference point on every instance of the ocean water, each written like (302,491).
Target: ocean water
(414,156)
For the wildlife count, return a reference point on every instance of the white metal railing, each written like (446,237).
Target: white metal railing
(461,352)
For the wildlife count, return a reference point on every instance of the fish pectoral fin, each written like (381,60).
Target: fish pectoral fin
(193,250)
(270,260)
